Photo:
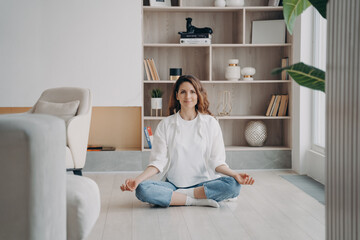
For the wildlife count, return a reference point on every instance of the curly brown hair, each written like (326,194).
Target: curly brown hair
(202,105)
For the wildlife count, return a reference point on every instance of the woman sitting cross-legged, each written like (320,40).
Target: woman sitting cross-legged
(188,150)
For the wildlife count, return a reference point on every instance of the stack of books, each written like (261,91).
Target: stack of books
(150,69)
(195,38)
(148,136)
(278,105)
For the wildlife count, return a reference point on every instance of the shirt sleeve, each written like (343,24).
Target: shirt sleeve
(158,155)
(217,149)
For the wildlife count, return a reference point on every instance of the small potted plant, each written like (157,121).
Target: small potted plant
(156,100)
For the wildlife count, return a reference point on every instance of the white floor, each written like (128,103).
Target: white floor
(272,208)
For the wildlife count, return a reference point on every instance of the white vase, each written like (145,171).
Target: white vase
(234,3)
(156,103)
(219,3)
(232,72)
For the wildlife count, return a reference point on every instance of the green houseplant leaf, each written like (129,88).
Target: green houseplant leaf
(292,9)
(320,5)
(156,93)
(305,75)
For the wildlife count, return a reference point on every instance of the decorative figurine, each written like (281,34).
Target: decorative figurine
(192,29)
(224,107)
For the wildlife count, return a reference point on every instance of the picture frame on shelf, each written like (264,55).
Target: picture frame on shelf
(160,3)
(268,32)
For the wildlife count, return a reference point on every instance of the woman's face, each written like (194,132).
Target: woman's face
(187,96)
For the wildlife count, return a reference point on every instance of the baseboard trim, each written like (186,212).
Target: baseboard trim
(114,161)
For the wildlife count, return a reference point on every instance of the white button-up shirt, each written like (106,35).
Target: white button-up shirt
(168,136)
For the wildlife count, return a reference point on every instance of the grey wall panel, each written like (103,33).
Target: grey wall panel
(342,125)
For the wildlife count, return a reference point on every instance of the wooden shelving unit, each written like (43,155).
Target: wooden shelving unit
(231,39)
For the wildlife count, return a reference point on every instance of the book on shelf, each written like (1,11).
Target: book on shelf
(276,104)
(195,35)
(96,148)
(195,41)
(283,105)
(147,70)
(156,72)
(150,135)
(273,106)
(270,105)
(147,137)
(284,63)
(150,69)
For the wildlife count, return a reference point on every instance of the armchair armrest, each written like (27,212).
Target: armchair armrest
(77,138)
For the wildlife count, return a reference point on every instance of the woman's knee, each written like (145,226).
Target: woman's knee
(153,193)
(142,191)
(233,187)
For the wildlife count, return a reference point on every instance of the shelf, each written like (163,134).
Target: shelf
(154,118)
(246,82)
(156,45)
(215,45)
(210,9)
(233,45)
(228,117)
(225,81)
(247,148)
(231,40)
(251,117)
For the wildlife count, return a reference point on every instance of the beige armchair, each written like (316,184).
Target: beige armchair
(74,106)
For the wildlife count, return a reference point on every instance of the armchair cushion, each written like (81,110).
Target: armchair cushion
(63,110)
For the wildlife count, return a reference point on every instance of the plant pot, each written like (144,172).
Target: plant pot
(156,103)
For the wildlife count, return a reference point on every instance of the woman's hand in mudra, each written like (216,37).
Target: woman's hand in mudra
(244,179)
(129,185)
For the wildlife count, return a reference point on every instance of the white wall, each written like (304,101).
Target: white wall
(304,160)
(315,166)
(92,44)
(301,107)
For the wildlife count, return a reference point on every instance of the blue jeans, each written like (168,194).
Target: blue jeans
(159,193)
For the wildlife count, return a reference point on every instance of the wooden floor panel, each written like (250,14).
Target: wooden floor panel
(272,208)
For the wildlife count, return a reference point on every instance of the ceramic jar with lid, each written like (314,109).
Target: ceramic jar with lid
(232,72)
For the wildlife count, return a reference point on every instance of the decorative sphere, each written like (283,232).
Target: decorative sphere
(255,133)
